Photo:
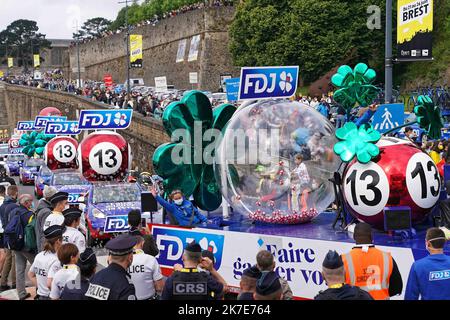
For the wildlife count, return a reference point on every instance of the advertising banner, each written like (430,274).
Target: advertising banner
(136,51)
(36,61)
(10,62)
(193,50)
(181,50)
(414,29)
(298,260)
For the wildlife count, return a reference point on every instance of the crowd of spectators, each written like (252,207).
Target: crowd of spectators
(157,18)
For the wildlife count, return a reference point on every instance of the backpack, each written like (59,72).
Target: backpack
(30,235)
(14,234)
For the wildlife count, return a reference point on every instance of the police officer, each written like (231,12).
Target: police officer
(59,202)
(72,218)
(429,277)
(248,283)
(88,265)
(145,273)
(268,287)
(114,282)
(188,283)
(334,274)
(45,261)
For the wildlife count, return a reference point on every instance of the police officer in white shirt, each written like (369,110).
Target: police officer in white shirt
(45,261)
(72,218)
(68,256)
(145,272)
(59,202)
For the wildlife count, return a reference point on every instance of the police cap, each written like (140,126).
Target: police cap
(59,196)
(72,212)
(122,245)
(193,247)
(53,232)
(268,283)
(87,258)
(252,272)
(332,260)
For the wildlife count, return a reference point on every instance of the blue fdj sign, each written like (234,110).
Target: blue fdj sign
(41,121)
(116,224)
(25,126)
(388,116)
(268,82)
(15,150)
(232,86)
(171,244)
(105,119)
(62,128)
(74,198)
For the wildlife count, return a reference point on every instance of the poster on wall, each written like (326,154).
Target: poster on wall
(194,48)
(414,29)
(136,51)
(10,62)
(36,61)
(181,50)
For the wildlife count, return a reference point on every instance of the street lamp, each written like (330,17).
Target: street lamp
(128,46)
(77,41)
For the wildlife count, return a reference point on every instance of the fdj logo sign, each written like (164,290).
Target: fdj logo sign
(171,244)
(25,126)
(116,224)
(62,128)
(41,121)
(105,119)
(268,82)
(73,198)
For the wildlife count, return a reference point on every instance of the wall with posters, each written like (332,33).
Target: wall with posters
(24,103)
(192,41)
(298,260)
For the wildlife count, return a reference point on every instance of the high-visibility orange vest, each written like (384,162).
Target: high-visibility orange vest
(369,270)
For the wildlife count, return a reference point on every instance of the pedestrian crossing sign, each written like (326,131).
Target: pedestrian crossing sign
(388,116)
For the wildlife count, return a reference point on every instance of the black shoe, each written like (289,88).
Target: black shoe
(25,296)
(4,288)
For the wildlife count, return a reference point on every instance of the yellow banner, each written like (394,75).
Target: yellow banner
(10,62)
(37,61)
(136,50)
(413,17)
(1,74)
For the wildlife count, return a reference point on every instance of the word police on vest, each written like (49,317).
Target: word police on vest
(98,292)
(190,288)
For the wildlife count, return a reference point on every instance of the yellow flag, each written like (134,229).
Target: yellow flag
(136,50)
(10,62)
(37,61)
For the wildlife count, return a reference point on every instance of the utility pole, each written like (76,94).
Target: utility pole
(388,54)
(128,46)
(78,55)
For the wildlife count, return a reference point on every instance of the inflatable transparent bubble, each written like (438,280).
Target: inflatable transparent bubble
(275,161)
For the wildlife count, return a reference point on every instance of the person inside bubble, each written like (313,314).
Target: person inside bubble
(300,185)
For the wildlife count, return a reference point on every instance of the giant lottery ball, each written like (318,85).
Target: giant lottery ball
(50,111)
(255,162)
(104,156)
(61,153)
(402,175)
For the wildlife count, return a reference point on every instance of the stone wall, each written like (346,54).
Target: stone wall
(24,103)
(160,46)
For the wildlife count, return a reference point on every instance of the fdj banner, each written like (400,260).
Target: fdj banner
(26,126)
(105,119)
(414,29)
(136,51)
(268,82)
(41,121)
(62,128)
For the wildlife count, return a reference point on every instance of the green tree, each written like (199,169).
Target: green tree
(314,34)
(21,40)
(93,28)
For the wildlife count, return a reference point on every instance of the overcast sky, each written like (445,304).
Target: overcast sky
(56,18)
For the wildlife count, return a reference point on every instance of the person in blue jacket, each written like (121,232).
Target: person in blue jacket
(429,277)
(180,208)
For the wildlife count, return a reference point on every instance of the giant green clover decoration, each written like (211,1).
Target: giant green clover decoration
(354,86)
(429,117)
(181,162)
(34,143)
(359,142)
